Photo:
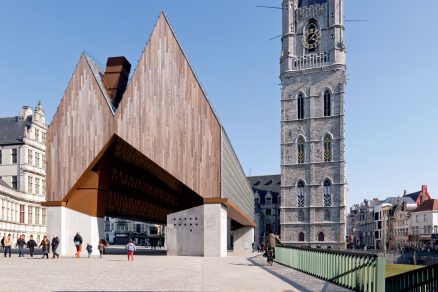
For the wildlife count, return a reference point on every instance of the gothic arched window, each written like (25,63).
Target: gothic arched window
(327,104)
(327,148)
(301,236)
(300,106)
(300,150)
(327,193)
(327,215)
(300,191)
(320,236)
(300,215)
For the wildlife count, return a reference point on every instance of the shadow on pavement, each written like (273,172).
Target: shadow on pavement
(281,277)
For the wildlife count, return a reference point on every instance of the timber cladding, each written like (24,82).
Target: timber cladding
(164,114)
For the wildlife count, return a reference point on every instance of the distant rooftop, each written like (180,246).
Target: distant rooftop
(428,205)
(12,129)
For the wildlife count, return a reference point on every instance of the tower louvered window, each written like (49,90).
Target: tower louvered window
(300,150)
(300,190)
(327,148)
(327,193)
(327,104)
(300,105)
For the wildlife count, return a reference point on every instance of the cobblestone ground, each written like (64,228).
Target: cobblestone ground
(153,273)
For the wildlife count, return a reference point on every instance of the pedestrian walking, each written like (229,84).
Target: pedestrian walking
(31,244)
(89,249)
(8,244)
(101,247)
(3,241)
(45,244)
(20,244)
(131,248)
(78,244)
(55,243)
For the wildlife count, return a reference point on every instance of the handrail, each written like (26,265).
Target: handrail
(356,271)
(422,279)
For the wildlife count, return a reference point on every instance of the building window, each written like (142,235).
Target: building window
(37,135)
(300,150)
(22,214)
(1,157)
(300,215)
(43,185)
(44,161)
(327,193)
(30,184)
(43,137)
(268,228)
(301,236)
(300,190)
(327,148)
(29,157)
(300,105)
(44,215)
(327,215)
(29,215)
(37,186)
(37,216)
(257,200)
(320,236)
(14,155)
(327,104)
(268,200)
(14,182)
(37,159)
(268,212)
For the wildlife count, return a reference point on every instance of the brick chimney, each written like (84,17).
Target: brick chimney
(424,189)
(116,77)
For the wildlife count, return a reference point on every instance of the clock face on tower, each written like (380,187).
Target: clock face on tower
(311,38)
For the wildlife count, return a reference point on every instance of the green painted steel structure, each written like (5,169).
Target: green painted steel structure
(423,279)
(356,271)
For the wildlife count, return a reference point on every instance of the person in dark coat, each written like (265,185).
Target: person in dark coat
(20,243)
(78,243)
(45,244)
(55,243)
(31,244)
(3,241)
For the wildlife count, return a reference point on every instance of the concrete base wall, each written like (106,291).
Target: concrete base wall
(199,231)
(243,239)
(64,223)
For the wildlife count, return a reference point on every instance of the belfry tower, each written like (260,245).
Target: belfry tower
(313,180)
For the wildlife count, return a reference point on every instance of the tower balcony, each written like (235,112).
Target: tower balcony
(307,62)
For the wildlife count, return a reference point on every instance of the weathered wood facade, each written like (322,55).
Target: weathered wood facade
(164,119)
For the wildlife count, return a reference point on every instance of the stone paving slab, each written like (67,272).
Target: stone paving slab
(152,273)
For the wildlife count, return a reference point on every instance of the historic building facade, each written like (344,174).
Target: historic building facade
(313,69)
(22,173)
(267,198)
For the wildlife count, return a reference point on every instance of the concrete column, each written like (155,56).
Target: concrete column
(198,231)
(243,239)
(64,223)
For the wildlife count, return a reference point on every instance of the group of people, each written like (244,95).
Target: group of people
(31,244)
(46,246)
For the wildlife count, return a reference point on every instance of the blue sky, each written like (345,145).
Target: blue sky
(391,100)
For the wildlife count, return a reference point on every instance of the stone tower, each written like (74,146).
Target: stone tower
(313,181)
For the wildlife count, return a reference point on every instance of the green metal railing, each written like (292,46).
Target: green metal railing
(356,271)
(423,279)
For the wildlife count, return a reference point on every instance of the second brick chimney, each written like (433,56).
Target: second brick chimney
(116,77)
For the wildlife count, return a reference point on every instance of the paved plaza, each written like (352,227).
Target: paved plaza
(154,272)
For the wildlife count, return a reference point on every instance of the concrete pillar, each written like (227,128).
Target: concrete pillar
(198,231)
(243,239)
(64,223)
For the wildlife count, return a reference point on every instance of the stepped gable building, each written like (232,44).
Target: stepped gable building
(312,73)
(22,150)
(267,198)
(22,173)
(149,148)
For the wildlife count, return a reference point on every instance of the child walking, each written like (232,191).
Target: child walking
(131,248)
(89,249)
(101,247)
